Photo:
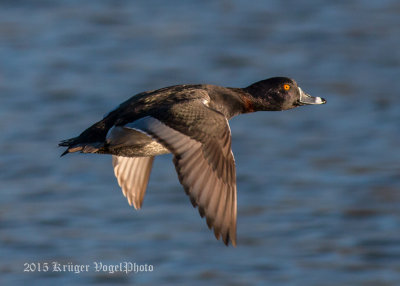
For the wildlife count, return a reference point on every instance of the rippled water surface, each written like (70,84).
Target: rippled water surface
(318,186)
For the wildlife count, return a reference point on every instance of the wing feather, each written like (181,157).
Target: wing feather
(206,171)
(133,176)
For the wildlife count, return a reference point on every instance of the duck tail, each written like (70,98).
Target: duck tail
(91,140)
(80,144)
(68,143)
(74,145)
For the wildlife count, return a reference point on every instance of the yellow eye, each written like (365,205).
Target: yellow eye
(286,87)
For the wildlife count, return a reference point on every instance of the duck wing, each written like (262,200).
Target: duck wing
(199,138)
(133,175)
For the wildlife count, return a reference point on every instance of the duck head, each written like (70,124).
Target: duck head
(279,93)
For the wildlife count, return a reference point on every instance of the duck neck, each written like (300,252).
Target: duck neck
(254,102)
(228,101)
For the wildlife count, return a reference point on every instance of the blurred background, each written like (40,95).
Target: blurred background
(318,186)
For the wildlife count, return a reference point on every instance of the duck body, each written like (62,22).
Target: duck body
(190,121)
(181,102)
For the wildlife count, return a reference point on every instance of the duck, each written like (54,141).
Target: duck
(191,122)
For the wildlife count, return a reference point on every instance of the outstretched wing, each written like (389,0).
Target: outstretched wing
(133,175)
(200,139)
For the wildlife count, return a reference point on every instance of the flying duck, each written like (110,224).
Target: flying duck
(191,122)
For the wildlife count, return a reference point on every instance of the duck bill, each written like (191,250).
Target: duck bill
(308,99)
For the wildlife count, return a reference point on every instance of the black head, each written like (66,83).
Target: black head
(279,93)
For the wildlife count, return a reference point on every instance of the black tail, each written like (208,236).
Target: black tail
(91,140)
(68,142)
(72,144)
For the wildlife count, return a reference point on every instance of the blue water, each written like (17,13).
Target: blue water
(318,186)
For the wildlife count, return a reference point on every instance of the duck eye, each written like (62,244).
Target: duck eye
(286,87)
